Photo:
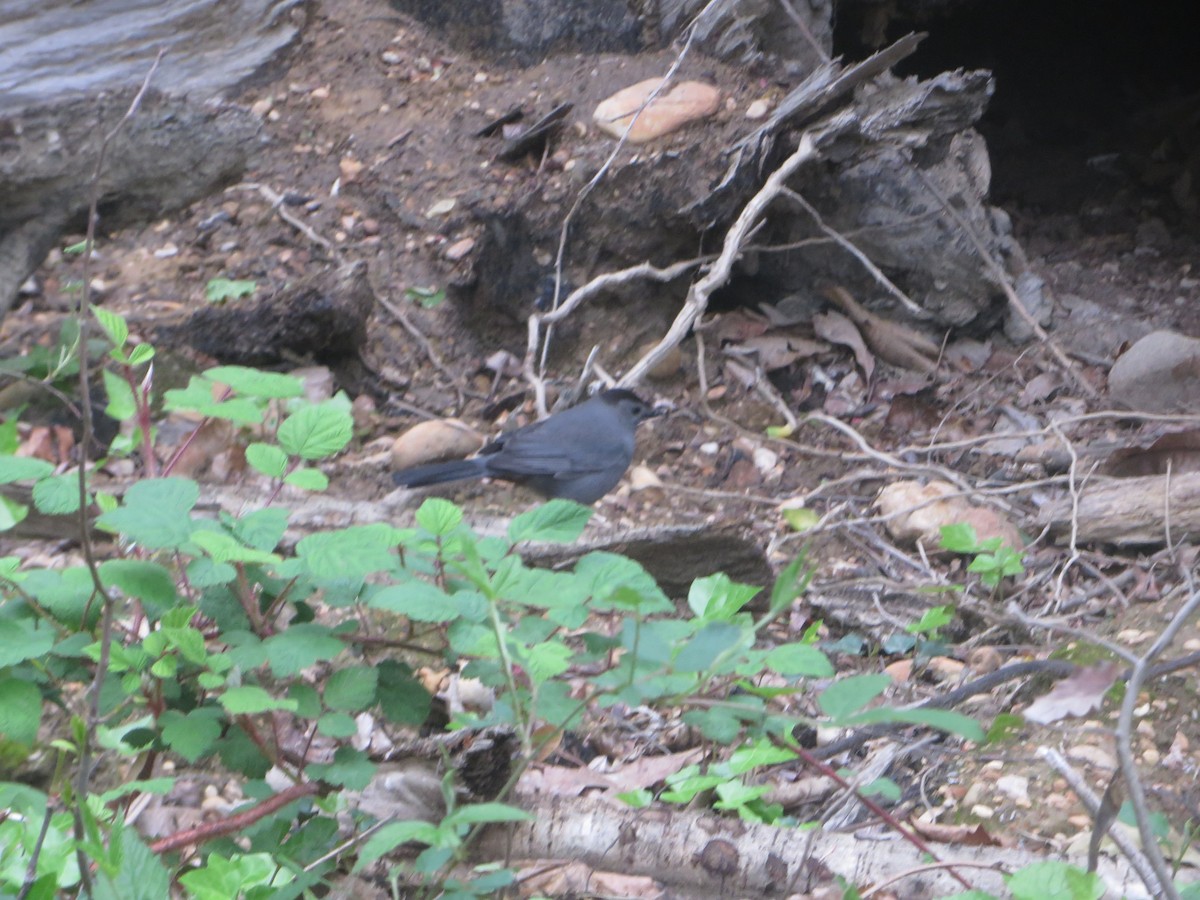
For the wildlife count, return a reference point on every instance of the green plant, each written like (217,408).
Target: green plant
(198,636)
(218,290)
(993,560)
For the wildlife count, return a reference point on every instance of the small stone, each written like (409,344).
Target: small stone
(643,478)
(1014,786)
(166,251)
(982,811)
(1092,755)
(1151,757)
(441,208)
(321,93)
(758,109)
(370,226)
(391,57)
(481,77)
(765,459)
(259,108)
(667,112)
(459,249)
(434,440)
(350,168)
(710,448)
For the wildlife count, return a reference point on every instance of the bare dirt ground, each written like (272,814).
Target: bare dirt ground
(372,126)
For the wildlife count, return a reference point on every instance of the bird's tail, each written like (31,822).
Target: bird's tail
(437,473)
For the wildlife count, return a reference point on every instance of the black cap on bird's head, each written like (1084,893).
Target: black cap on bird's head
(630,402)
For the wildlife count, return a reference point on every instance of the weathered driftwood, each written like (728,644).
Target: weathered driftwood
(700,854)
(1132,511)
(58,50)
(68,73)
(169,154)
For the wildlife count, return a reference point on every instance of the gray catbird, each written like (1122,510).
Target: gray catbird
(579,454)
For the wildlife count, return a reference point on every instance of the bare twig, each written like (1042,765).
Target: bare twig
(718,275)
(886,283)
(85,522)
(560,255)
(1091,803)
(277,204)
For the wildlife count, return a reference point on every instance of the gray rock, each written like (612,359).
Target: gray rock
(1160,373)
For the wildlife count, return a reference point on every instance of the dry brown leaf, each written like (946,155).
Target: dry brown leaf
(838,329)
(971,835)
(777,351)
(1075,695)
(1178,450)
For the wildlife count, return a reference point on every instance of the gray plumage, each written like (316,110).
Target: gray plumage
(579,454)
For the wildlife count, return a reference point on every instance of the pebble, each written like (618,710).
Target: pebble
(459,249)
(166,251)
(391,57)
(710,448)
(441,208)
(758,109)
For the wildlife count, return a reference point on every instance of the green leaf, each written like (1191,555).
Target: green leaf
(198,397)
(391,836)
(249,699)
(944,719)
(417,600)
(791,583)
(352,552)
(702,651)
(224,548)
(960,538)
(140,354)
(427,297)
(402,698)
(439,517)
(218,290)
(350,768)
(193,735)
(256,383)
(351,689)
(20,710)
(314,432)
(268,459)
(300,647)
(848,695)
(800,659)
(155,512)
(147,581)
(547,660)
(718,596)
(12,513)
(22,639)
(477,813)
(139,876)
(23,468)
(122,405)
(1054,881)
(800,518)
(616,581)
(262,529)
(337,725)
(57,495)
(556,522)
(113,324)
(307,479)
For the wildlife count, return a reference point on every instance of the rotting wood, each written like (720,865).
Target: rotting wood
(1131,511)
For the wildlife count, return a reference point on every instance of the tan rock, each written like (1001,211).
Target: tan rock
(918,511)
(669,111)
(435,440)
